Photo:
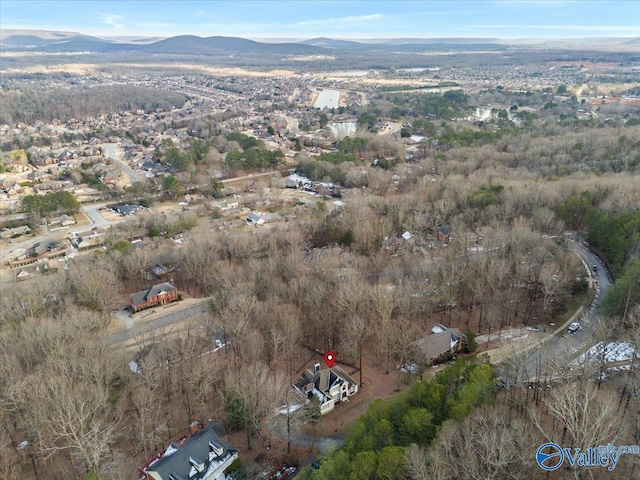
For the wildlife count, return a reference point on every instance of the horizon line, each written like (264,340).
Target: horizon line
(299,38)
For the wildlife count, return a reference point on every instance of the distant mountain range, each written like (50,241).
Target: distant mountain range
(63,42)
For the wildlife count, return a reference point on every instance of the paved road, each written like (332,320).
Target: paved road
(170,318)
(251,176)
(110,153)
(557,350)
(93,212)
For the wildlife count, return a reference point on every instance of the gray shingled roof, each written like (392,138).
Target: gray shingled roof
(436,344)
(140,297)
(324,379)
(196,447)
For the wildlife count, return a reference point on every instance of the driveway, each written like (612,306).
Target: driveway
(278,426)
(159,317)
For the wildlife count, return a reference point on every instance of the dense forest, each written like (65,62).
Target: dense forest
(29,106)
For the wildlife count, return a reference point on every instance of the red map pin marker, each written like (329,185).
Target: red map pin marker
(330,358)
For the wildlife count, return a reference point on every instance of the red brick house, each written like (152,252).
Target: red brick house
(159,294)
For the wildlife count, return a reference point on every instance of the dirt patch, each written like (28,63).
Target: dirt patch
(267,454)
(82,219)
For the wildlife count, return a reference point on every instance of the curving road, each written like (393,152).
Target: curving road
(110,153)
(555,351)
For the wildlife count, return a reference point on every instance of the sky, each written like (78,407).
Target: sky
(337,19)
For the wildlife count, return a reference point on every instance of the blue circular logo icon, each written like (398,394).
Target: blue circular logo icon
(552,458)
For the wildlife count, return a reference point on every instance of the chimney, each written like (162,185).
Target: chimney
(316,368)
(194,427)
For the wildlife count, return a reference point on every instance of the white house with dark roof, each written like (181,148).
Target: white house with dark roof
(330,386)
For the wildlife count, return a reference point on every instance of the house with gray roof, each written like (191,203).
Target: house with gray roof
(330,386)
(254,219)
(441,341)
(159,294)
(14,232)
(204,456)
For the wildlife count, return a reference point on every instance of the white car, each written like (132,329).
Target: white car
(574,327)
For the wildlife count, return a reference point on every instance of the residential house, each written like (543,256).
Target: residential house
(204,456)
(159,294)
(254,219)
(14,232)
(52,185)
(88,239)
(62,220)
(330,386)
(149,164)
(128,209)
(159,270)
(442,340)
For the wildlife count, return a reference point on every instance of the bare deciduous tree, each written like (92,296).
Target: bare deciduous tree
(588,415)
(95,284)
(487,445)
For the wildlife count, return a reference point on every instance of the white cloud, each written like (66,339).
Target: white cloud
(579,28)
(341,21)
(112,20)
(533,3)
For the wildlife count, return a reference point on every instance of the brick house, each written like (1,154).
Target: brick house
(159,294)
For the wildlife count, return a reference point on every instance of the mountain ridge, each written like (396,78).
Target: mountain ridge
(67,42)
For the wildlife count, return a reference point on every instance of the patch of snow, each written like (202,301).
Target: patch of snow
(220,345)
(292,409)
(319,394)
(216,465)
(621,368)
(170,450)
(409,367)
(299,178)
(612,351)
(134,367)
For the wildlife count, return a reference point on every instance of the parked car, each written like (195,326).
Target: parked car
(574,327)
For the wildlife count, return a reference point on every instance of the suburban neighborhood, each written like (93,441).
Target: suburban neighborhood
(318,256)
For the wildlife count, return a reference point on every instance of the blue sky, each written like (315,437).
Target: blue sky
(338,19)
